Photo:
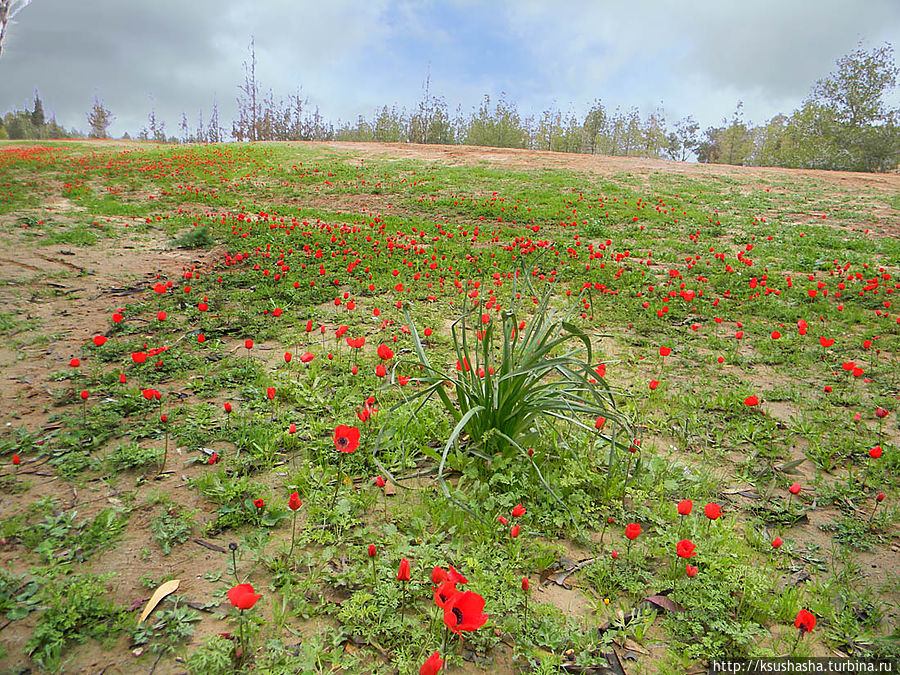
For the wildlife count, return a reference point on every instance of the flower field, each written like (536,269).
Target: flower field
(369,408)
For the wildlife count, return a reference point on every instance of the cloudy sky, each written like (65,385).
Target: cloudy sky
(695,57)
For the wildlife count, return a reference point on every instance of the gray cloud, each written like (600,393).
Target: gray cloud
(350,56)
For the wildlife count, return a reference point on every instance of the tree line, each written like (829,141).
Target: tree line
(845,122)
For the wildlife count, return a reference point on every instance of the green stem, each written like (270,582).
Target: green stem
(525,622)
(337,483)
(243,642)
(293,534)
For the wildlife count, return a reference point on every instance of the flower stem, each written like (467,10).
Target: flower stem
(293,534)
(243,642)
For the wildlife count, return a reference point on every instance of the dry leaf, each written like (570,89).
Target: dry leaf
(166,589)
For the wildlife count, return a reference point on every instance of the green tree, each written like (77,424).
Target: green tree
(499,126)
(594,126)
(99,119)
(37,114)
(851,106)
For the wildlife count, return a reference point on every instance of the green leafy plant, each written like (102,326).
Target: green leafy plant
(512,387)
(172,527)
(77,608)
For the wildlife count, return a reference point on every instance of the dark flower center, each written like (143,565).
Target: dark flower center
(457,612)
(343,441)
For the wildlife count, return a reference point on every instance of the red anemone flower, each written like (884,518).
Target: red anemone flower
(684,507)
(243,596)
(465,612)
(632,531)
(805,621)
(712,511)
(432,665)
(294,502)
(444,592)
(403,573)
(518,511)
(685,549)
(346,439)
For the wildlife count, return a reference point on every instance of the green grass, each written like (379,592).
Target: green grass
(312,223)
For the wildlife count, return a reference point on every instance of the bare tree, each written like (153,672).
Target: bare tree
(246,126)
(8,9)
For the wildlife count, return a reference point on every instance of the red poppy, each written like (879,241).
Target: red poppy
(380,482)
(243,596)
(227,407)
(16,460)
(372,550)
(116,317)
(879,497)
(287,357)
(518,511)
(665,351)
(432,665)
(270,393)
(258,503)
(404,572)
(213,458)
(632,531)
(100,340)
(380,370)
(654,384)
(306,357)
(881,413)
(712,511)
(514,532)
(438,575)
(292,429)
(685,549)
(599,423)
(84,395)
(794,489)
(428,332)
(454,576)
(444,592)
(465,612)
(526,584)
(684,507)
(751,400)
(691,571)
(385,353)
(502,520)
(294,502)
(161,316)
(805,621)
(777,542)
(74,363)
(826,342)
(122,378)
(346,439)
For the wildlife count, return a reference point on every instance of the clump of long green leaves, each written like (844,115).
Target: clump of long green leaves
(515,381)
